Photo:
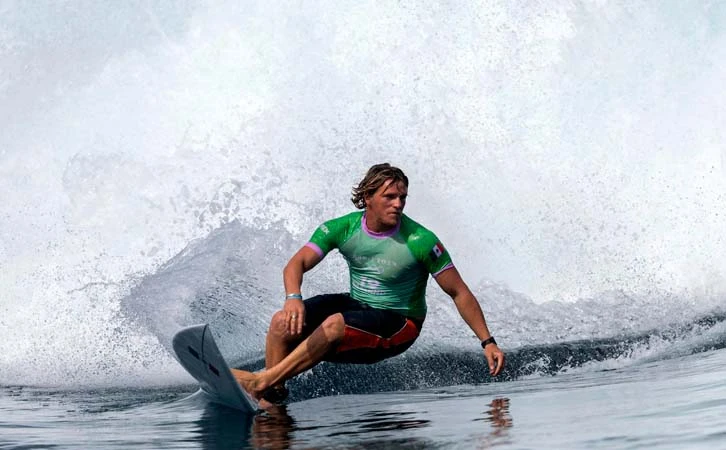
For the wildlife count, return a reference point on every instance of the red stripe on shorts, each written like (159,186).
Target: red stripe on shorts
(355,338)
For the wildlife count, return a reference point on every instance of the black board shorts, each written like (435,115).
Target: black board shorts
(371,334)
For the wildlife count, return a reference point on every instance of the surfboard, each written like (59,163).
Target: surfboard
(198,354)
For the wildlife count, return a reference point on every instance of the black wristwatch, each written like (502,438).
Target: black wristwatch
(487,341)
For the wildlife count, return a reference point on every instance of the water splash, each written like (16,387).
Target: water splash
(564,151)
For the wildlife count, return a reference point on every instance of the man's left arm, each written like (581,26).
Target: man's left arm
(451,282)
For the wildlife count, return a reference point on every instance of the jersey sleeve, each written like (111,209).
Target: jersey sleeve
(329,235)
(429,250)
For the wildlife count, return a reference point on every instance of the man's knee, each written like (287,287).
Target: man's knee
(278,325)
(334,328)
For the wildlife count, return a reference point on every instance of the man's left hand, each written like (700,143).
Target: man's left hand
(495,359)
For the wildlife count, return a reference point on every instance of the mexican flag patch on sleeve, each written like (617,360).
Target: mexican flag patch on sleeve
(437,251)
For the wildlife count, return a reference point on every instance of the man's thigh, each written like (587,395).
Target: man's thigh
(372,335)
(320,307)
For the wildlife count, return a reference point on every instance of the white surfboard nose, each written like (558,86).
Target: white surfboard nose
(197,352)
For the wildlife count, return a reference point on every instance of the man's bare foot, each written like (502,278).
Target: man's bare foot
(250,382)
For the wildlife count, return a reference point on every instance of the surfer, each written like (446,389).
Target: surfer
(390,257)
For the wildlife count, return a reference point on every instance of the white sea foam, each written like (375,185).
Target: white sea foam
(559,150)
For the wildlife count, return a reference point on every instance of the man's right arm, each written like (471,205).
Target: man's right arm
(305,259)
(302,261)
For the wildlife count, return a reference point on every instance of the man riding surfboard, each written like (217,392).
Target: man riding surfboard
(390,257)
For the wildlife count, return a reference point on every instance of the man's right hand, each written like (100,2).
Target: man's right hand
(294,310)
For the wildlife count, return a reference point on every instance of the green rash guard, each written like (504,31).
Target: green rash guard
(387,270)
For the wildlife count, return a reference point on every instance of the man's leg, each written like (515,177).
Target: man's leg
(278,341)
(278,344)
(306,355)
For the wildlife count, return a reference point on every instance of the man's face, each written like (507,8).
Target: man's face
(385,206)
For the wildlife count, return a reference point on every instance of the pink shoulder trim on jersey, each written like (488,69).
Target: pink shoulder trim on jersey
(315,248)
(446,267)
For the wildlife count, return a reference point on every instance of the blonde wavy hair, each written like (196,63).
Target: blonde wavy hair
(376,176)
